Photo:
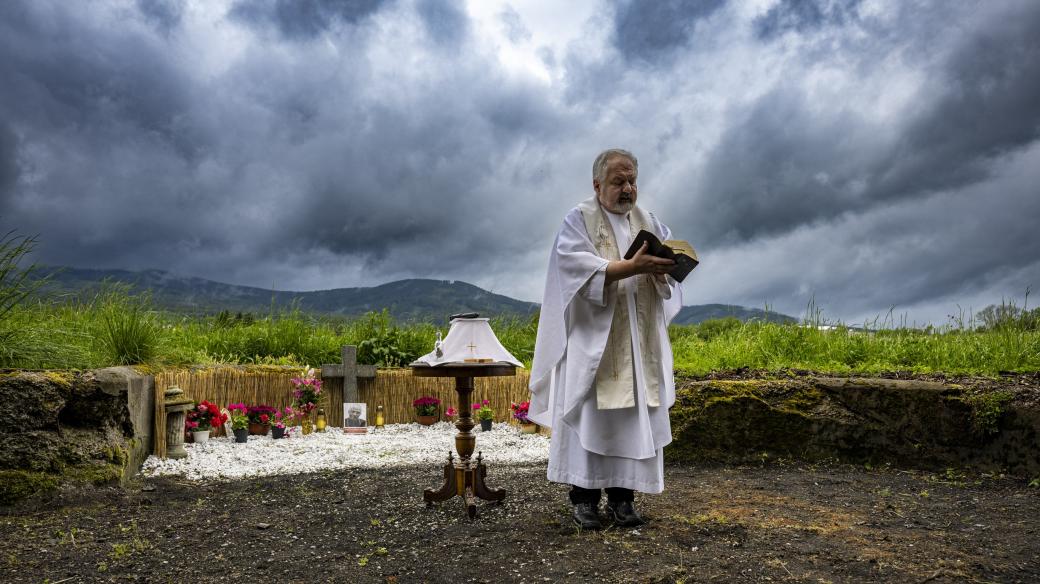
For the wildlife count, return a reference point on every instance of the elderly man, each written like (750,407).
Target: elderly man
(602,371)
(354,419)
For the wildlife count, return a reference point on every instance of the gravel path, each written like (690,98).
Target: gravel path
(391,446)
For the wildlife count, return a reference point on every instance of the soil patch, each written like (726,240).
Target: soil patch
(778,522)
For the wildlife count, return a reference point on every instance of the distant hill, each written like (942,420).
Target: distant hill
(702,312)
(406,300)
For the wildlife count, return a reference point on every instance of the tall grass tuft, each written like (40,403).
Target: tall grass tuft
(128,330)
(16,284)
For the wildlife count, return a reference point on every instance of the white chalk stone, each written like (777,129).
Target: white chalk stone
(393,445)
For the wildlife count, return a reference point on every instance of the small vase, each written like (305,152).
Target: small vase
(528,428)
(241,435)
(258,429)
(426,420)
(277,432)
(485,425)
(200,436)
(306,427)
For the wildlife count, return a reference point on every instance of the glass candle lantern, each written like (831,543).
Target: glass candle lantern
(322,422)
(379,416)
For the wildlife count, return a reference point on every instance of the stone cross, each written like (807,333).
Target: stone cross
(350,371)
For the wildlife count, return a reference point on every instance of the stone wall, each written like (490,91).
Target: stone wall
(65,428)
(904,422)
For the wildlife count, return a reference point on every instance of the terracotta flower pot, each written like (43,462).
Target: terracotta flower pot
(529,428)
(426,420)
(258,429)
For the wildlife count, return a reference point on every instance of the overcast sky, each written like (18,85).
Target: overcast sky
(874,155)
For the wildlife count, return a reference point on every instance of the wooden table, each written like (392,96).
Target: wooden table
(464,477)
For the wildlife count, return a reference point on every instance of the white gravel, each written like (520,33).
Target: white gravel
(393,445)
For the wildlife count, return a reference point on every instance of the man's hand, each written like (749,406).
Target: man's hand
(641,263)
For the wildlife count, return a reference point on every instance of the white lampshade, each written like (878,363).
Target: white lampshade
(469,338)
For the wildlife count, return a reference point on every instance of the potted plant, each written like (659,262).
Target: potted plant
(260,419)
(426,408)
(451,414)
(520,415)
(239,422)
(201,419)
(278,427)
(483,412)
(307,391)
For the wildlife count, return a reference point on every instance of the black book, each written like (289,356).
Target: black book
(672,249)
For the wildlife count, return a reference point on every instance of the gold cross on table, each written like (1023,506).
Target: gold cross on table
(472,348)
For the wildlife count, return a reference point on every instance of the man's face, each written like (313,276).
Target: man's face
(617,193)
(355,414)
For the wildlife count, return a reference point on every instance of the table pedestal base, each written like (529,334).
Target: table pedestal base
(464,479)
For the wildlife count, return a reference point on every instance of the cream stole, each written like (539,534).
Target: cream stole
(615,384)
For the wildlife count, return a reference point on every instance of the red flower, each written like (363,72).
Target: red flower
(264,418)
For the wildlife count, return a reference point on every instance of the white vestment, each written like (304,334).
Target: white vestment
(595,447)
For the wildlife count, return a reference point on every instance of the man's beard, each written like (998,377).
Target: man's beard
(618,208)
(623,208)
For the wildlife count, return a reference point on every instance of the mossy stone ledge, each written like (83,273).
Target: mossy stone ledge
(911,423)
(71,428)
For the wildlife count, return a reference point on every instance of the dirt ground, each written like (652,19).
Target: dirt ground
(780,521)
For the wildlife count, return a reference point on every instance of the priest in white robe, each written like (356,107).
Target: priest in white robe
(602,373)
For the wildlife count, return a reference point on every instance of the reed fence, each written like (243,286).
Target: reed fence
(394,389)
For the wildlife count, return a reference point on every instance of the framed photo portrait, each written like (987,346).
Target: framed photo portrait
(355,417)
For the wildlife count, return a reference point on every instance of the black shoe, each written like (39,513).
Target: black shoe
(586,516)
(624,514)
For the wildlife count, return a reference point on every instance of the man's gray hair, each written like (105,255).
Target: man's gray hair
(599,167)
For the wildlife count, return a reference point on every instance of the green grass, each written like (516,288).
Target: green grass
(116,328)
(775,346)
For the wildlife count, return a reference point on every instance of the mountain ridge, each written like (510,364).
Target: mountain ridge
(413,299)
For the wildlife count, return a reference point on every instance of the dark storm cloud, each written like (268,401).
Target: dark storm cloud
(83,86)
(303,19)
(786,162)
(279,158)
(9,168)
(444,20)
(804,16)
(951,247)
(822,147)
(164,14)
(649,29)
(988,105)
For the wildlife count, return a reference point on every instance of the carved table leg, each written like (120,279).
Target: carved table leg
(465,441)
(480,487)
(448,490)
